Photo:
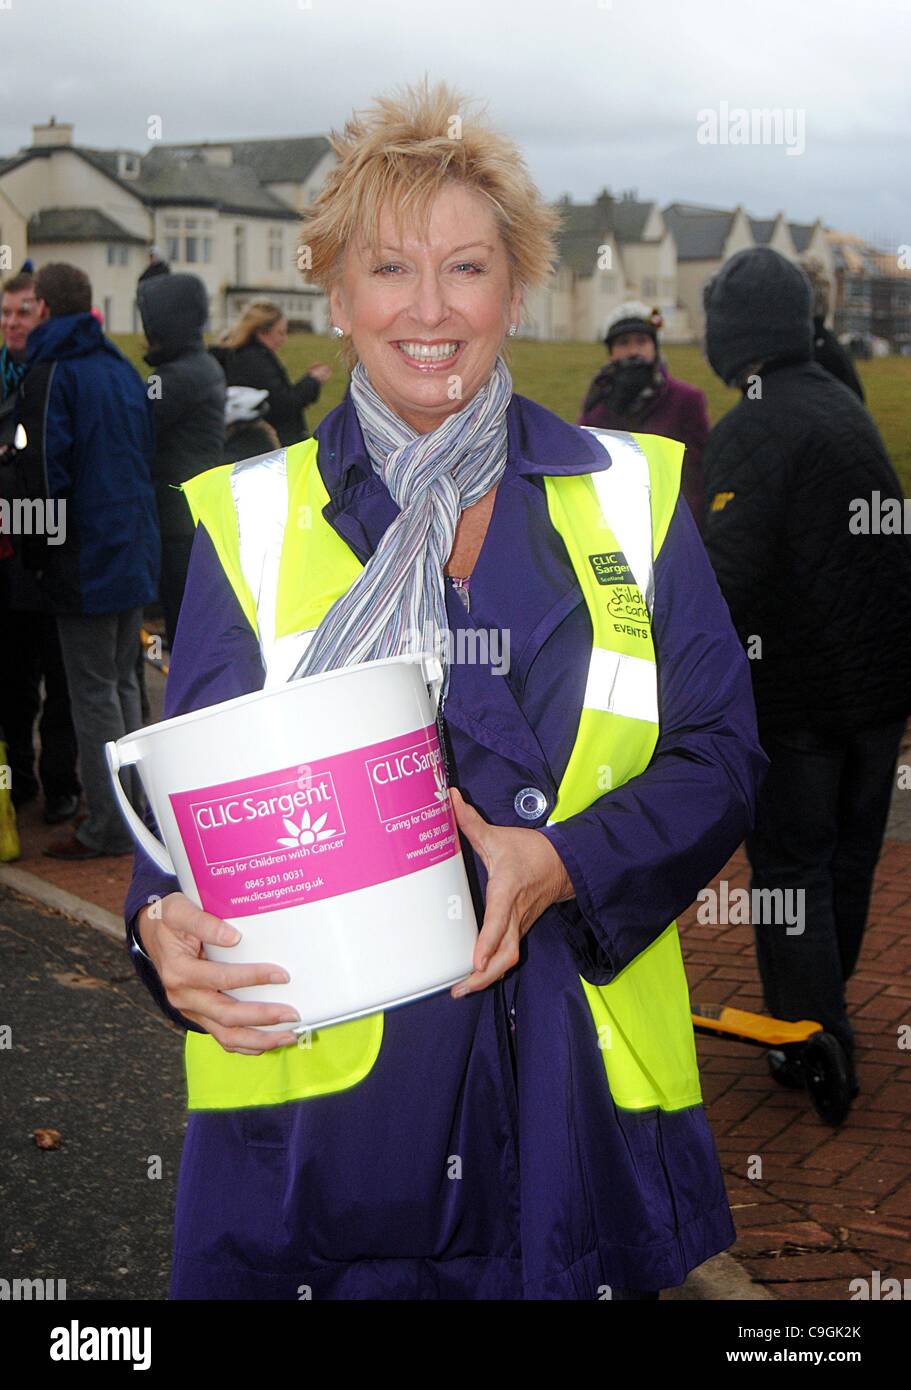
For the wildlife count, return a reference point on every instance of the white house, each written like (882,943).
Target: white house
(206,208)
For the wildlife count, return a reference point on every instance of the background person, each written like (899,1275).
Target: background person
(562,1188)
(635,392)
(247,432)
(90,444)
(827,350)
(187,395)
(832,678)
(249,356)
(28,630)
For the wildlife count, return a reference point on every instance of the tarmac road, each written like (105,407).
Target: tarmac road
(89,1055)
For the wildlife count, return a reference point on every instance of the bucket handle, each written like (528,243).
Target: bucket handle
(127,756)
(432,669)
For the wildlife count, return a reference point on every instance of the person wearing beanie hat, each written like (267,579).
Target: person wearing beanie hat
(807,592)
(635,392)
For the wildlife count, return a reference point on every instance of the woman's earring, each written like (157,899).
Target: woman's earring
(336,331)
(512,330)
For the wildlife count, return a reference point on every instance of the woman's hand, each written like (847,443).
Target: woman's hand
(320,371)
(172,935)
(525,874)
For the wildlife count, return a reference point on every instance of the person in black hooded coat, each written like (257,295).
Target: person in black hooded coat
(825,615)
(187,391)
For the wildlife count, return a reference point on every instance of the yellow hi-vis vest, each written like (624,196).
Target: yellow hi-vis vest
(287,567)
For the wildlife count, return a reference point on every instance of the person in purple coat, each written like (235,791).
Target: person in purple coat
(635,391)
(482,1156)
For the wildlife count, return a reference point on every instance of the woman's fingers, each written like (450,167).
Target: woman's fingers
(181,915)
(504,958)
(473,826)
(197,987)
(250,1041)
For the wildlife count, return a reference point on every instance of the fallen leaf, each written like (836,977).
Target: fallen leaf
(48,1138)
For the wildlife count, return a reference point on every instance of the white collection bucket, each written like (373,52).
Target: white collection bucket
(316,819)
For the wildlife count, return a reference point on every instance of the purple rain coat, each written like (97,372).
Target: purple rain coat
(679,411)
(556,1193)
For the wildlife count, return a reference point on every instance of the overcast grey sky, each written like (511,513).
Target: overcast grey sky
(597,92)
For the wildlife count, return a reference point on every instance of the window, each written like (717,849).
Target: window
(207,249)
(112,251)
(276,249)
(192,245)
(172,222)
(240,255)
(172,248)
(190,224)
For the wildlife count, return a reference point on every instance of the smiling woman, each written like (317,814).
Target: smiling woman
(538,1131)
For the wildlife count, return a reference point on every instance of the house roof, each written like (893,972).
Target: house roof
(584,228)
(762,229)
(801,235)
(630,218)
(700,232)
(167,176)
(284,160)
(77,224)
(851,252)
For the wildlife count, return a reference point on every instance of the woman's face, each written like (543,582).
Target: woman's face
(428,317)
(274,337)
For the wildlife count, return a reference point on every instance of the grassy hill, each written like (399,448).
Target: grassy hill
(557,376)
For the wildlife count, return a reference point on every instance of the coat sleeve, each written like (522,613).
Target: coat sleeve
(176,398)
(216,657)
(745,520)
(60,444)
(639,855)
(285,399)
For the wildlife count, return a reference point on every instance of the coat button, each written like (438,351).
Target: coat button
(530,803)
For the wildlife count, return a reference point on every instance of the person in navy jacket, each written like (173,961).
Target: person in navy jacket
(90,444)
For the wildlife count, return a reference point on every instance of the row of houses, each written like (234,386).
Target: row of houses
(229,211)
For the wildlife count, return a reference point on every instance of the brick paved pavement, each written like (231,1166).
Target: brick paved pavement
(830,1205)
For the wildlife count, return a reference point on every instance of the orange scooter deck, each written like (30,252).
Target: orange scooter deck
(721,1021)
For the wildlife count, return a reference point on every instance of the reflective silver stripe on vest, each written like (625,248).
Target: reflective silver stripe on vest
(259,487)
(625,494)
(622,684)
(617,683)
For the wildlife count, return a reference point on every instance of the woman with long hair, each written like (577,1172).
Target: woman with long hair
(248,352)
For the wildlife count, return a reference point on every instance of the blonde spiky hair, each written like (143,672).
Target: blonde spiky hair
(399,153)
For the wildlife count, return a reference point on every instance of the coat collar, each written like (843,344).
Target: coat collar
(539,442)
(360,509)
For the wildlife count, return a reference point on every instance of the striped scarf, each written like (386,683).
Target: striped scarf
(398,603)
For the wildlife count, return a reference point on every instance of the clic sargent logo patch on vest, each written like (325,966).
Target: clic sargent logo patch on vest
(611,568)
(625,605)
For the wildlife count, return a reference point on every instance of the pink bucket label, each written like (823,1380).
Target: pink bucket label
(314,831)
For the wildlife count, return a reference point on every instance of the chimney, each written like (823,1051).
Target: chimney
(52,133)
